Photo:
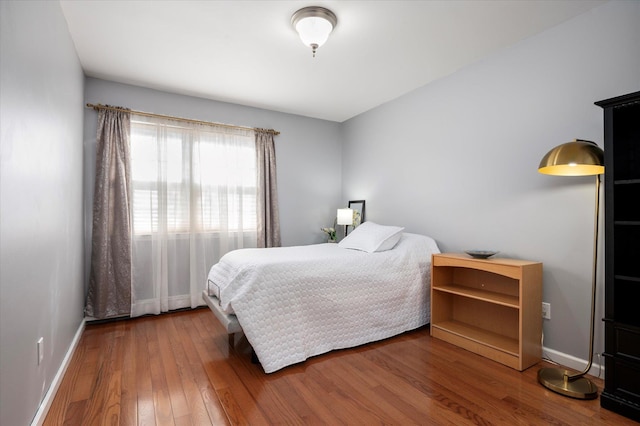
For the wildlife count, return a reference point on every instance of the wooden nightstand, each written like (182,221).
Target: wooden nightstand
(488,306)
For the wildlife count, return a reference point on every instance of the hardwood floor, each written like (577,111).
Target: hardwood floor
(178,369)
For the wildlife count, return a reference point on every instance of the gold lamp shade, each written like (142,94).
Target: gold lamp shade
(576,158)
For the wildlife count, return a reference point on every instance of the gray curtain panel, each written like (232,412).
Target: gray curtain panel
(110,277)
(267,209)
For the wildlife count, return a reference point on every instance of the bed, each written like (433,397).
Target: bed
(293,303)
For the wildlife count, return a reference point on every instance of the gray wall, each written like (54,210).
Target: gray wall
(41,242)
(457,159)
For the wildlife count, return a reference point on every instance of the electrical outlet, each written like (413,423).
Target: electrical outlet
(40,345)
(546,310)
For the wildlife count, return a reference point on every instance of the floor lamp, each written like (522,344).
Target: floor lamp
(577,158)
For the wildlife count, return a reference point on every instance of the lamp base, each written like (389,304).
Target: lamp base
(556,379)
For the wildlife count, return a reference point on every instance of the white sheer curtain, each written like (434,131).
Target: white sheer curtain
(194,199)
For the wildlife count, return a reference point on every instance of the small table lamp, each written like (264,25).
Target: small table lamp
(577,158)
(345,217)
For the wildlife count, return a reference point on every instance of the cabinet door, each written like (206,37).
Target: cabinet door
(622,251)
(622,210)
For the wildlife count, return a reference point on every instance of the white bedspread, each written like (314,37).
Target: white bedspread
(297,302)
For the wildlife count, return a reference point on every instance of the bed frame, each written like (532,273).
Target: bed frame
(229,322)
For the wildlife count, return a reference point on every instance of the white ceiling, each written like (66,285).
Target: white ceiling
(246,52)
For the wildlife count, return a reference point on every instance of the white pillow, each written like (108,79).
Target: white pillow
(371,237)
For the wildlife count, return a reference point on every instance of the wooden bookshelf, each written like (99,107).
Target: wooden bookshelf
(489,306)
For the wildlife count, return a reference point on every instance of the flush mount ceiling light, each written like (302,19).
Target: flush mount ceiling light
(314,24)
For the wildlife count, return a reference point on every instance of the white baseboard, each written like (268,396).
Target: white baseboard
(41,414)
(596,370)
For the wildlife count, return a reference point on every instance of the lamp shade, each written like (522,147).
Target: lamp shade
(576,158)
(314,30)
(314,24)
(345,216)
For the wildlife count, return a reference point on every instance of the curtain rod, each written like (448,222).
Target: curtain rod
(188,120)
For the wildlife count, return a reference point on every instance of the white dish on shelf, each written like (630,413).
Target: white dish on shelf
(481,254)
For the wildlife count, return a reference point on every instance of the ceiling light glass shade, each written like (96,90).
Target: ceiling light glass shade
(576,158)
(314,30)
(345,216)
(314,24)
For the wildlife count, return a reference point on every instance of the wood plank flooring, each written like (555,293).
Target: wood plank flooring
(178,369)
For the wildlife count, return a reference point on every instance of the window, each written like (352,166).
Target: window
(191,179)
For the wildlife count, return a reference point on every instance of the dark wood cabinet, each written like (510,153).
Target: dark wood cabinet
(622,255)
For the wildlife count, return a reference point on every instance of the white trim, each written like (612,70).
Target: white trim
(41,414)
(570,361)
